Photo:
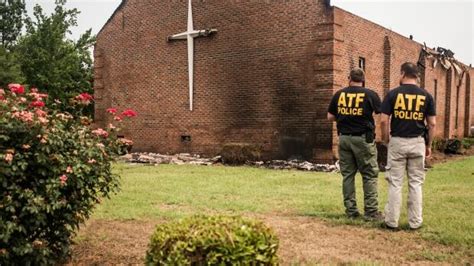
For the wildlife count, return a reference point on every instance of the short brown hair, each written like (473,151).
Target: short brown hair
(410,70)
(357,75)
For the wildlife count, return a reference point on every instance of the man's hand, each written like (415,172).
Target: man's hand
(428,152)
(331,117)
(385,125)
(431,132)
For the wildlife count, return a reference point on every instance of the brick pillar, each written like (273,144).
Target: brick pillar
(422,67)
(447,119)
(468,110)
(99,115)
(387,63)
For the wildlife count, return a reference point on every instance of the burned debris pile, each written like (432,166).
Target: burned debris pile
(186,158)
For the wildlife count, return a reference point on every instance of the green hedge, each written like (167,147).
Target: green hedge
(213,240)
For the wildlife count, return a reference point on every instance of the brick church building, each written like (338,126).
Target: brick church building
(264,78)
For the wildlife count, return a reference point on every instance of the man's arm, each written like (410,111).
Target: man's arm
(331,117)
(385,127)
(332,110)
(431,131)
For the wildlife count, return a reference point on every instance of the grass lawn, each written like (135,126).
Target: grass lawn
(170,191)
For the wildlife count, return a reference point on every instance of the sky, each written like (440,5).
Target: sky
(445,23)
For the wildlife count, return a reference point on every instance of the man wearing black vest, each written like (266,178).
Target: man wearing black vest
(411,112)
(353,108)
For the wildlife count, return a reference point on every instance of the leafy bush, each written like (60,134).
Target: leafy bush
(467,143)
(453,146)
(215,240)
(239,153)
(53,169)
(439,144)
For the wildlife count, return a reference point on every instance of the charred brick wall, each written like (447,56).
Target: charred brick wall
(265,77)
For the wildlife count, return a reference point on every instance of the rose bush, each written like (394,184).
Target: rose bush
(53,169)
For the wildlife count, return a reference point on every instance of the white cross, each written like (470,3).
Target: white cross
(189,35)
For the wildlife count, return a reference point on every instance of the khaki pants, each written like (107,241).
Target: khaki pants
(405,155)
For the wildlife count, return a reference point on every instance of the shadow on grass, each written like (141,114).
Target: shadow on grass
(335,218)
(342,219)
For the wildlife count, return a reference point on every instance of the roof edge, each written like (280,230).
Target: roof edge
(422,45)
(122,4)
(379,25)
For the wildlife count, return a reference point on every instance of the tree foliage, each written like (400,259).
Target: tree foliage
(50,60)
(9,67)
(12,13)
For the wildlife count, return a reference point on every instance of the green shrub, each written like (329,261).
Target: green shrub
(439,145)
(453,146)
(467,143)
(53,169)
(215,240)
(239,153)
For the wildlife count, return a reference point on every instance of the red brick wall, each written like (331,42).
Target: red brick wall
(264,78)
(437,74)
(459,113)
(384,52)
(471,102)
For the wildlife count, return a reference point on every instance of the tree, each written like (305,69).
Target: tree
(49,60)
(9,68)
(12,13)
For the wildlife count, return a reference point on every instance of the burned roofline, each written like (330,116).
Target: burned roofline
(122,4)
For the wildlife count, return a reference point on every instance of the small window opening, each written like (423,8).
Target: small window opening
(362,63)
(185,138)
(435,90)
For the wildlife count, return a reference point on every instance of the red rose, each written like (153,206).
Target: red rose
(40,113)
(100,132)
(112,110)
(84,98)
(63,179)
(129,113)
(16,88)
(38,104)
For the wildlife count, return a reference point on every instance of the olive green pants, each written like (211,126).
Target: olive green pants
(355,154)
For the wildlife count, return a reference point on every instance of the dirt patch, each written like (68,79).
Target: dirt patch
(441,157)
(102,242)
(309,240)
(302,240)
